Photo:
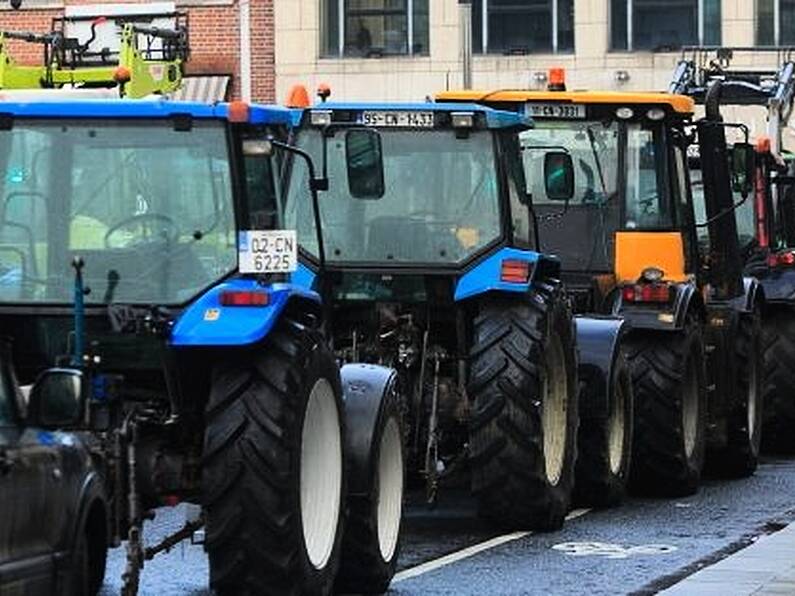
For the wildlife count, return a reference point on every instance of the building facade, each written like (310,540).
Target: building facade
(408,49)
(221,31)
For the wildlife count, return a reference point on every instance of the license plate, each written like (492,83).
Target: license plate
(267,251)
(563,111)
(398,119)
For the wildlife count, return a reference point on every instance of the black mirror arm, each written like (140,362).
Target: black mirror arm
(315,185)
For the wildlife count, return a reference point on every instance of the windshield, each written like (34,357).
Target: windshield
(616,186)
(441,203)
(148,209)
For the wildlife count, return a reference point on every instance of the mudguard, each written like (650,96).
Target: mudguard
(598,344)
(364,391)
(208,323)
(779,286)
(671,318)
(485,276)
(303,277)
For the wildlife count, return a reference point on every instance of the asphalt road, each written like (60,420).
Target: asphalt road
(638,548)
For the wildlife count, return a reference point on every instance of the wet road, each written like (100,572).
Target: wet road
(638,548)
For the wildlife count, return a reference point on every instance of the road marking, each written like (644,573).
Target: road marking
(611,551)
(470,551)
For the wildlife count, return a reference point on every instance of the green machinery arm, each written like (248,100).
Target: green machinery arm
(139,71)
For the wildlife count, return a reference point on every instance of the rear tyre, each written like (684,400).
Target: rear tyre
(273,478)
(669,381)
(371,543)
(523,436)
(605,445)
(778,340)
(745,423)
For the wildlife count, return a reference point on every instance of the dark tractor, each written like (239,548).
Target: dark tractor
(628,244)
(439,276)
(141,252)
(767,219)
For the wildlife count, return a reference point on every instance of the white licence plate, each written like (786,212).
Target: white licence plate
(267,251)
(564,111)
(398,119)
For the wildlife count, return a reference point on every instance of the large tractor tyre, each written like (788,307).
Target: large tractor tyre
(273,475)
(605,445)
(669,381)
(523,436)
(741,456)
(778,340)
(371,543)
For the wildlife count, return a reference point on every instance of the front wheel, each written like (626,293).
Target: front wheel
(273,476)
(745,420)
(371,544)
(605,444)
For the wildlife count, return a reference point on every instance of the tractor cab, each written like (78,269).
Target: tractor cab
(630,206)
(148,195)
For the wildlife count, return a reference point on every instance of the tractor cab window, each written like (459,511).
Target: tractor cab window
(149,209)
(617,185)
(441,202)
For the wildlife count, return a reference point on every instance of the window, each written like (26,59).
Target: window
(441,205)
(374,28)
(664,24)
(522,26)
(139,201)
(775,22)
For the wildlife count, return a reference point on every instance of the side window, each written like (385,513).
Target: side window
(517,189)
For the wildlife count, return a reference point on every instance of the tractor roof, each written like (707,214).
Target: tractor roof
(678,103)
(495,118)
(37,106)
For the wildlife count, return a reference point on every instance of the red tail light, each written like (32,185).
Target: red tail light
(647,293)
(515,272)
(782,259)
(244,298)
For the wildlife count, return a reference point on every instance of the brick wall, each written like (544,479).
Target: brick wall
(214,36)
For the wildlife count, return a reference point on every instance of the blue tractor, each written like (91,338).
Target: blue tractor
(432,266)
(145,280)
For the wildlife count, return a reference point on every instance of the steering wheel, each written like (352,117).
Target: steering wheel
(169,226)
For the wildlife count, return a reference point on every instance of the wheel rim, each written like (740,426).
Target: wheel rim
(390,489)
(553,410)
(321,473)
(690,407)
(616,425)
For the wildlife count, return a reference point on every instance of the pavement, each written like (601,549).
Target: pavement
(766,568)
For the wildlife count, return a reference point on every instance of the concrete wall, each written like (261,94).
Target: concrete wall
(411,78)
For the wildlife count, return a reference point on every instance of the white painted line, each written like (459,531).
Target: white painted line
(470,551)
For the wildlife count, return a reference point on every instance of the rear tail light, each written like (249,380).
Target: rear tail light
(244,298)
(658,292)
(515,272)
(782,259)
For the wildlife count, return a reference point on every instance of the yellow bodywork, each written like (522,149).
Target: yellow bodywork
(679,103)
(636,251)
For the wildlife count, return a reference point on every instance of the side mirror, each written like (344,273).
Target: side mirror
(559,176)
(365,164)
(742,168)
(57,399)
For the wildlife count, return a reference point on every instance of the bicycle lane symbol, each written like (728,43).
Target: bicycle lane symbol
(611,551)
